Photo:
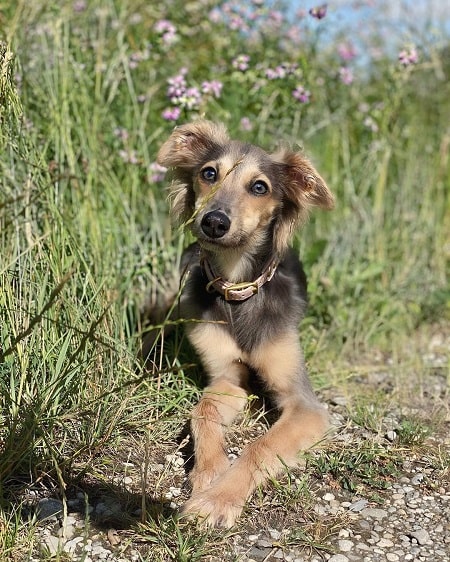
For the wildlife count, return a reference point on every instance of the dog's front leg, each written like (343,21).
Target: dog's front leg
(302,423)
(221,401)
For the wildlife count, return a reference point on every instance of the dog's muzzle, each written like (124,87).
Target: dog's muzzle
(215,224)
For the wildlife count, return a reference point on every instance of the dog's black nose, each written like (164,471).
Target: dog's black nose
(215,224)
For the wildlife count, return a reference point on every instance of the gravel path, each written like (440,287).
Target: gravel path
(407,519)
(412,524)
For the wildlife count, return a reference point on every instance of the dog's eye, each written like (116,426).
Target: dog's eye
(259,188)
(209,174)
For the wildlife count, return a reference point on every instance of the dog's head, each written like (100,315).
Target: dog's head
(236,195)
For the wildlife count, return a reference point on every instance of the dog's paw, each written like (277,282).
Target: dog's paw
(213,509)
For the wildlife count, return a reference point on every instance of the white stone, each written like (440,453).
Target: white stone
(392,557)
(275,535)
(385,543)
(421,535)
(52,544)
(358,505)
(345,546)
(374,513)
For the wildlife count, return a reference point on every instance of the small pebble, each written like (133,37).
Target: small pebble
(358,505)
(421,535)
(275,534)
(374,513)
(345,545)
(417,479)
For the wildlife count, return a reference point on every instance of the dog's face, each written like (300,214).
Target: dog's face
(236,195)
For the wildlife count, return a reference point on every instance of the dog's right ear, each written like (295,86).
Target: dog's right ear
(189,144)
(187,147)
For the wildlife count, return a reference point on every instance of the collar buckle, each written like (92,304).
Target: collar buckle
(240,287)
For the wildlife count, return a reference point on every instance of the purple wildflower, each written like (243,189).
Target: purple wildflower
(301,95)
(214,88)
(276,17)
(215,15)
(166,30)
(293,34)
(281,71)
(171,113)
(158,172)
(346,75)
(246,124)
(241,62)
(162,26)
(121,133)
(177,86)
(278,72)
(138,56)
(191,98)
(79,6)
(346,51)
(129,156)
(237,23)
(407,58)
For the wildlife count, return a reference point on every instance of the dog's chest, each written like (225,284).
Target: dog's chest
(252,322)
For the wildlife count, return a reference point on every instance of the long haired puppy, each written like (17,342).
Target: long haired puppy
(246,292)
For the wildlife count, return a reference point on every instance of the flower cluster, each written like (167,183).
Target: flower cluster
(346,51)
(156,172)
(183,96)
(213,88)
(139,56)
(167,31)
(408,57)
(346,75)
(241,62)
(281,71)
(171,113)
(301,95)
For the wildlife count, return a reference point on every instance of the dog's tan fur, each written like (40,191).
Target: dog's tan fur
(257,199)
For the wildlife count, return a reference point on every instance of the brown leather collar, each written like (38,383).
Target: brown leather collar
(237,291)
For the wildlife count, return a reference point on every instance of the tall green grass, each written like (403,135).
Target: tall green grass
(85,238)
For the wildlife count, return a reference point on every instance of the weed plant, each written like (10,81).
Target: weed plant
(88,92)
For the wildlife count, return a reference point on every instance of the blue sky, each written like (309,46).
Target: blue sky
(396,21)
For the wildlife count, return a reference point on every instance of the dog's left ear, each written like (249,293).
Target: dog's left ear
(302,189)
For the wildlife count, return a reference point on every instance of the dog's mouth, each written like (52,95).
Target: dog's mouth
(214,243)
